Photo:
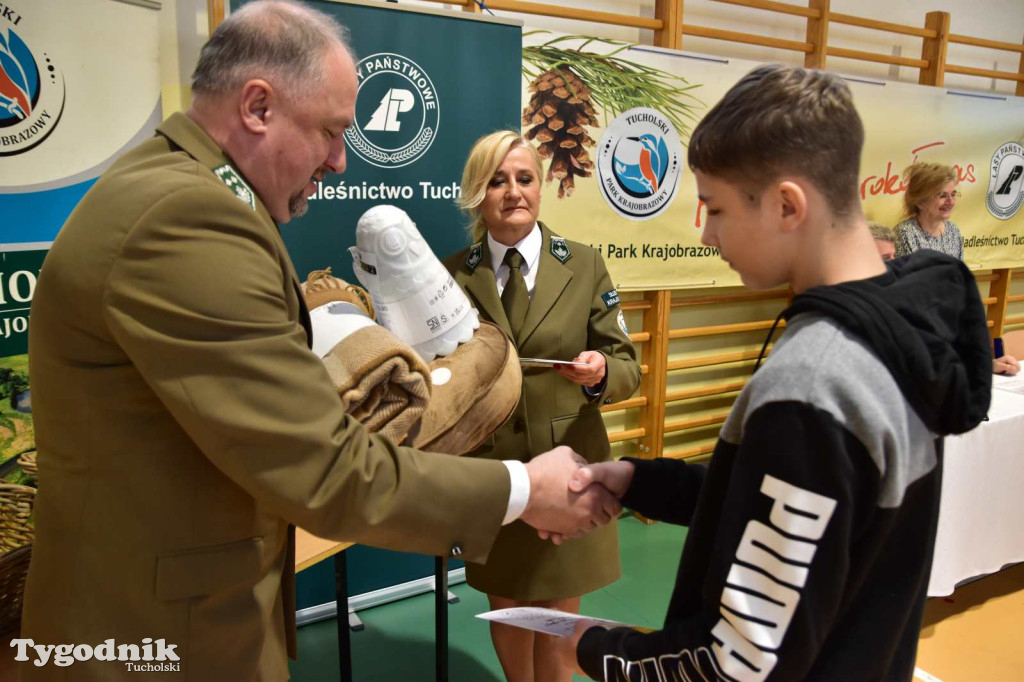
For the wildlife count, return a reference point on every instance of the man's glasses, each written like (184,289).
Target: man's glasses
(946,196)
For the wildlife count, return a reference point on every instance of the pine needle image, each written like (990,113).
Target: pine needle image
(570,84)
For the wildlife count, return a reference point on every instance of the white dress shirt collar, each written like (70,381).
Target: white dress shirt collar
(528,247)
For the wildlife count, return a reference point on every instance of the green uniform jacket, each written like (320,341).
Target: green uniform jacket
(574,308)
(183,424)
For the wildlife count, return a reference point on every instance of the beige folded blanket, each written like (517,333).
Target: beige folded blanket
(382,381)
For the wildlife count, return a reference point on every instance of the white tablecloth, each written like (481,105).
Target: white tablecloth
(981,517)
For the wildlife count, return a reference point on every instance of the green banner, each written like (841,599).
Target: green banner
(431,82)
(19,271)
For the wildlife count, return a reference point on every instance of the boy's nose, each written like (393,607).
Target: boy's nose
(708,237)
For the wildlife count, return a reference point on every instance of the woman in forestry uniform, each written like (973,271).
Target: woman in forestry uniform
(555,300)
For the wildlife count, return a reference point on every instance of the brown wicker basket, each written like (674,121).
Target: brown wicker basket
(13,569)
(16,535)
(15,513)
(27,462)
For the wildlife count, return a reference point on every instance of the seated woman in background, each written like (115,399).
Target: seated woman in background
(929,200)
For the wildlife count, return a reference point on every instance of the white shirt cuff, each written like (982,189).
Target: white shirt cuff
(519,494)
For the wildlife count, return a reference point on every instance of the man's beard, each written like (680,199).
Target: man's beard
(297,206)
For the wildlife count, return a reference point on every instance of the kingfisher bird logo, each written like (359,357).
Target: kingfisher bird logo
(18,79)
(638,163)
(31,91)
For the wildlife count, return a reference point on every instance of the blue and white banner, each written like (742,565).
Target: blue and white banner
(79,84)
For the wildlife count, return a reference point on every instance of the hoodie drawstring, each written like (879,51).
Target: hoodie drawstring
(768,339)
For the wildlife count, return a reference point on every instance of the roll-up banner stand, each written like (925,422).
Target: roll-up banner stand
(430,83)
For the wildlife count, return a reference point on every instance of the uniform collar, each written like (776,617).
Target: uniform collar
(186,133)
(193,140)
(528,247)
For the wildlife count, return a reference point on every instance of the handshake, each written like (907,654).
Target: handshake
(570,498)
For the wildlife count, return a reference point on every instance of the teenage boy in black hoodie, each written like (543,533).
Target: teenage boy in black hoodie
(812,529)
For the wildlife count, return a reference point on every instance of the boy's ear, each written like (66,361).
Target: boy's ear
(792,204)
(254,105)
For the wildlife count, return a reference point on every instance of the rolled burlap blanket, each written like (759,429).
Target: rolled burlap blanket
(382,381)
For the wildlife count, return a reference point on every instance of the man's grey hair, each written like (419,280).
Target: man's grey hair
(882,232)
(281,41)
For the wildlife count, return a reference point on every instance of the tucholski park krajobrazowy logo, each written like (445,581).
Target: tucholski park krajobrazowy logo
(574,87)
(31,87)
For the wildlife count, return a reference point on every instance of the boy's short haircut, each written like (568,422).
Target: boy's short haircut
(779,121)
(882,232)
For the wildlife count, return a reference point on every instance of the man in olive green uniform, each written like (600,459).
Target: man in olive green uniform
(183,425)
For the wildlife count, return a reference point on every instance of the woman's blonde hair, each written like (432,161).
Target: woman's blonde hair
(923,181)
(484,158)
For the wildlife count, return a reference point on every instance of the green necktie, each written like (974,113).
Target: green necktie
(514,298)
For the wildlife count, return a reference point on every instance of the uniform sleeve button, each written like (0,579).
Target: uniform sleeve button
(456,550)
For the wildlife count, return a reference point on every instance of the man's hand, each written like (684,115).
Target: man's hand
(590,375)
(615,476)
(565,647)
(553,508)
(1006,364)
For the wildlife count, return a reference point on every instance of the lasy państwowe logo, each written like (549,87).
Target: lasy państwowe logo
(31,89)
(397,112)
(1006,181)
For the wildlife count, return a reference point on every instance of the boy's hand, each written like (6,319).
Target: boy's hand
(1007,365)
(555,509)
(590,375)
(615,476)
(565,647)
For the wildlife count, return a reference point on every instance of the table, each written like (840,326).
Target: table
(981,515)
(310,550)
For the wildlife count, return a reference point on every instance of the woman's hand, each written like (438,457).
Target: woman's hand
(1007,365)
(591,375)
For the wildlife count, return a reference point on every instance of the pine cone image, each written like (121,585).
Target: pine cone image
(558,112)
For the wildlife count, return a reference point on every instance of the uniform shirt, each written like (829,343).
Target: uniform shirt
(528,247)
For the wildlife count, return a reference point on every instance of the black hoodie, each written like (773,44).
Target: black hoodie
(812,529)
